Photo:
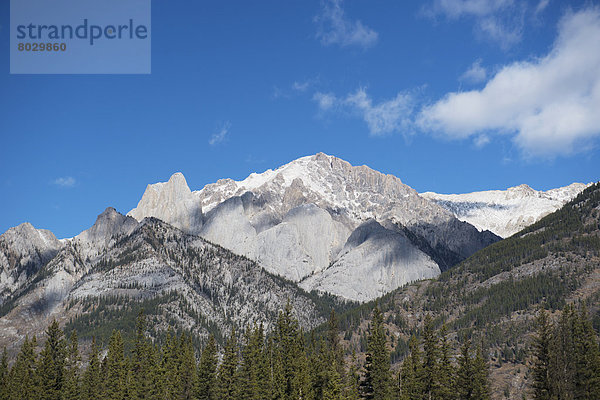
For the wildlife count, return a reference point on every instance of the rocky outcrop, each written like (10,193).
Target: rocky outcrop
(23,251)
(172,202)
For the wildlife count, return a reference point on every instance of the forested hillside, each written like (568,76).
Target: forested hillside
(493,296)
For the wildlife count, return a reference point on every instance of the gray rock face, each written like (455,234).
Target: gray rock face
(296,219)
(373,262)
(172,202)
(304,243)
(23,251)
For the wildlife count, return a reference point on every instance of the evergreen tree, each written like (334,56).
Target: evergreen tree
(263,374)
(541,368)
(71,386)
(376,383)
(446,382)
(464,373)
(186,368)
(351,391)
(51,369)
(411,386)
(587,358)
(430,360)
(562,364)
(333,386)
(116,371)
(251,368)
(4,376)
(142,379)
(90,387)
(23,378)
(481,386)
(226,387)
(207,370)
(169,367)
(289,365)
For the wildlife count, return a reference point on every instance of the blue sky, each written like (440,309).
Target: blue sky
(451,96)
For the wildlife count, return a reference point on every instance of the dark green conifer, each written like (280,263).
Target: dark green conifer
(23,378)
(207,371)
(481,385)
(377,382)
(71,386)
(116,372)
(91,382)
(464,373)
(51,368)
(411,382)
(430,359)
(227,372)
(541,368)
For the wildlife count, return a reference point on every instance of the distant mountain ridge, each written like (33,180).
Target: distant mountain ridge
(296,221)
(506,212)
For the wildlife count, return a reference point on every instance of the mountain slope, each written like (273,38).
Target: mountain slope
(190,283)
(493,295)
(296,221)
(505,212)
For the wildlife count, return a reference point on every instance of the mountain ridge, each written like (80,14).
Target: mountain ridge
(505,212)
(274,218)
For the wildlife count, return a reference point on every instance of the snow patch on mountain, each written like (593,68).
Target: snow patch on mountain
(506,212)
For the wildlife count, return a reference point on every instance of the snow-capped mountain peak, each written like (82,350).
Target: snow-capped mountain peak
(505,212)
(295,221)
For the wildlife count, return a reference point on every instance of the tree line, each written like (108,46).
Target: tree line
(286,364)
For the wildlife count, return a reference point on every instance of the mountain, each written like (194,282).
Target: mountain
(302,221)
(505,212)
(493,296)
(99,280)
(173,202)
(23,251)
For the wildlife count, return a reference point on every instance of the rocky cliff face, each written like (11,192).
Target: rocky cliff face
(295,221)
(23,251)
(506,212)
(173,202)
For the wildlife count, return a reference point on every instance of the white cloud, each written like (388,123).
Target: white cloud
(220,135)
(67,181)
(499,20)
(301,86)
(325,100)
(549,105)
(541,6)
(475,74)
(481,140)
(460,8)
(335,28)
(382,118)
